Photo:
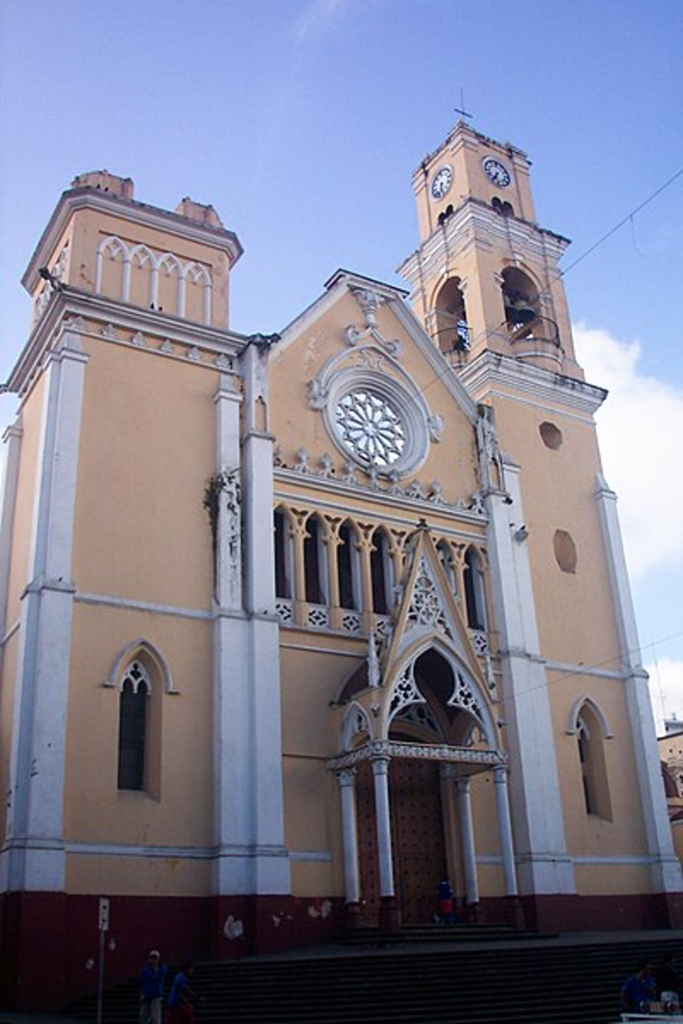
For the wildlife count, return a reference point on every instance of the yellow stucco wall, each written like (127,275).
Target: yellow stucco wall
(140,529)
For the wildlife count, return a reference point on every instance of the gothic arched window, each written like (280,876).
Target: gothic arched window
(283,555)
(592,761)
(381,574)
(314,562)
(347,568)
(473,582)
(135,692)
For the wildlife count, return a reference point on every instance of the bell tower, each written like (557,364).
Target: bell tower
(486,284)
(485,276)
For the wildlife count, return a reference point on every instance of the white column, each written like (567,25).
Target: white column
(12,439)
(543,861)
(125,278)
(469,856)
(182,291)
(666,868)
(154,286)
(233,769)
(33,858)
(505,826)
(380,772)
(207,303)
(271,861)
(347,787)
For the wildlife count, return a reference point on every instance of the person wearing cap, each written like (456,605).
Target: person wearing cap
(152,979)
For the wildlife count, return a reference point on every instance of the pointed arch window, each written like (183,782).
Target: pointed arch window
(347,568)
(473,585)
(283,555)
(314,562)
(136,689)
(381,574)
(445,554)
(591,755)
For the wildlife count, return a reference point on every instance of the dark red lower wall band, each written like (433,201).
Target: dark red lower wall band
(60,933)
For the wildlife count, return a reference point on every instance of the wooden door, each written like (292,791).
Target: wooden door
(417,839)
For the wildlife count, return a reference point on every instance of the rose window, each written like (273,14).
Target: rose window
(370,428)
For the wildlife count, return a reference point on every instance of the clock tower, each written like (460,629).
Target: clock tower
(485,276)
(486,284)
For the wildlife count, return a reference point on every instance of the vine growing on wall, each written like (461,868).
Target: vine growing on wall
(221,486)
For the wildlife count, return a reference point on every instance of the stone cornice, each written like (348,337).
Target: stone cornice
(89,198)
(126,322)
(419,751)
(491,371)
(475,220)
(351,492)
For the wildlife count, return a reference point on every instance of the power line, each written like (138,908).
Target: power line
(624,220)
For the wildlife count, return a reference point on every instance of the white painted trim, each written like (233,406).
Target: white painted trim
(534,787)
(569,668)
(110,601)
(667,875)
(365,493)
(34,827)
(491,369)
(131,850)
(129,210)
(622,861)
(318,856)
(130,653)
(583,701)
(361,640)
(12,439)
(153,324)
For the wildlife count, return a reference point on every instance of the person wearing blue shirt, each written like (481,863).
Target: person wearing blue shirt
(181,997)
(639,989)
(152,979)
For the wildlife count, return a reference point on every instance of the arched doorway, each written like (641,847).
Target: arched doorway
(424,830)
(418,839)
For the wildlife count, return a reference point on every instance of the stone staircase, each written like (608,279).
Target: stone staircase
(536,981)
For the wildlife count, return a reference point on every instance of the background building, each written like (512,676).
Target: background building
(296,625)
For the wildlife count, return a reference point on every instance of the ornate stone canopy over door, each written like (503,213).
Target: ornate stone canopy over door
(416,727)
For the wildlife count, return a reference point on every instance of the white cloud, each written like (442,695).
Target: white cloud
(641,440)
(666,690)
(316,17)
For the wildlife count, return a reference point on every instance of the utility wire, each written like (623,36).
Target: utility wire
(624,220)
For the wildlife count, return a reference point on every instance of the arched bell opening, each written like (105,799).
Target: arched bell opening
(524,315)
(521,301)
(452,329)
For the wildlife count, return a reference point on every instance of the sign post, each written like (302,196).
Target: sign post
(103,926)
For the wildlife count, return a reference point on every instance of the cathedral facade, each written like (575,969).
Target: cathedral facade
(296,626)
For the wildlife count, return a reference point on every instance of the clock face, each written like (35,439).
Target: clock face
(497,172)
(442,182)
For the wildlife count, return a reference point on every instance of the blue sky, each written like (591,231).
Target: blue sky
(302,121)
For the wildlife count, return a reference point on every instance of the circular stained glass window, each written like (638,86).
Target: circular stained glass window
(370,427)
